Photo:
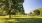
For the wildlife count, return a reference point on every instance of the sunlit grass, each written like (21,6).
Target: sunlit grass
(4,16)
(2,20)
(20,16)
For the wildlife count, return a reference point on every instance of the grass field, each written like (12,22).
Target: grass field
(21,19)
(17,16)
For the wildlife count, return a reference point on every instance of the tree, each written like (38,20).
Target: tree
(37,12)
(30,12)
(12,5)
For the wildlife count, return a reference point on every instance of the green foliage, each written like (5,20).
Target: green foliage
(15,6)
(37,12)
(40,9)
(11,7)
(30,12)
(1,12)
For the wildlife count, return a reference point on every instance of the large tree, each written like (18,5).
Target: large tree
(15,5)
(12,7)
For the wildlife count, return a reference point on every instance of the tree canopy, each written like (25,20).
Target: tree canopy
(37,12)
(12,6)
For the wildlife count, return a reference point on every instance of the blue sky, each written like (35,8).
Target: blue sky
(30,5)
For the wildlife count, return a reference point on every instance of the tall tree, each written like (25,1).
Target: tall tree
(12,6)
(18,7)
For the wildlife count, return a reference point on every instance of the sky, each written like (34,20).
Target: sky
(30,5)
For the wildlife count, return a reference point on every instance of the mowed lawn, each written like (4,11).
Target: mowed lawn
(20,16)
(20,19)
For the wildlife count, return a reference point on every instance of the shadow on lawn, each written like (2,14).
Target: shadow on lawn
(29,20)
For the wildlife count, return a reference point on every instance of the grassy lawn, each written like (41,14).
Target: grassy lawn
(21,19)
(7,16)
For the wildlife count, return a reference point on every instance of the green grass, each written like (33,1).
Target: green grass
(26,20)
(24,16)
(30,20)
(21,19)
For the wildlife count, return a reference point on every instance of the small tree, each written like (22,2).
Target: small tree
(30,12)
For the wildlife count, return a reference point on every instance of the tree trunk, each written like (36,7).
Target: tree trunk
(10,1)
